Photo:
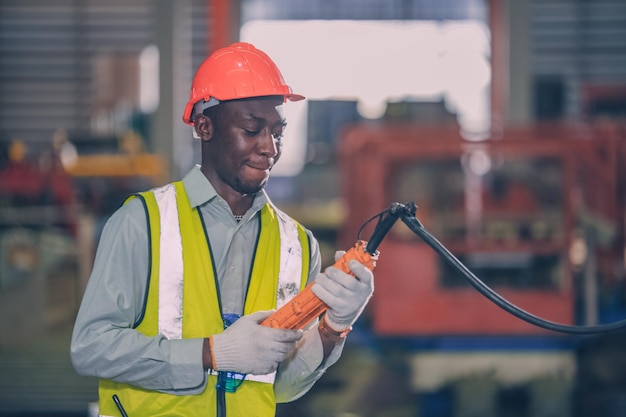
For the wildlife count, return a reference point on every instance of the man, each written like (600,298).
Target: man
(184,274)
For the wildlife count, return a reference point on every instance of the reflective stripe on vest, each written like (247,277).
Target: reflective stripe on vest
(170,265)
(290,260)
(170,312)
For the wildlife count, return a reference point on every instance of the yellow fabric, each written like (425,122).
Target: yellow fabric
(201,318)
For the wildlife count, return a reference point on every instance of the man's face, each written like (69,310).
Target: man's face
(245,144)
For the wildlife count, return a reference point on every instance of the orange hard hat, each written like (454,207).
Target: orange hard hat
(236,71)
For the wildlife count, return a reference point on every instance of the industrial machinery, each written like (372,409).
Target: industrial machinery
(54,201)
(537,213)
(520,211)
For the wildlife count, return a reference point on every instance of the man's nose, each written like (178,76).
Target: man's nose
(267,144)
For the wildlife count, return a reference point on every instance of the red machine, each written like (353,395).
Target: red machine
(519,210)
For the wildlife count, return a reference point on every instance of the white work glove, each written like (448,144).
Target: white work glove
(345,295)
(247,347)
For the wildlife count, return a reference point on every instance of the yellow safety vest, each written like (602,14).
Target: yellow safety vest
(182,277)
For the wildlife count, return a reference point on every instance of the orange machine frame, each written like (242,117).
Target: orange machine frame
(408,299)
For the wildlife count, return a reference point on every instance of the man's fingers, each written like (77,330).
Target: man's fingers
(325,287)
(259,316)
(342,279)
(361,271)
(279,335)
(339,254)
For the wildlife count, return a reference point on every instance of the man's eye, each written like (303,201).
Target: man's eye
(277,136)
(251,132)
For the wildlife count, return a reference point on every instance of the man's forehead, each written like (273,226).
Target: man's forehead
(254,107)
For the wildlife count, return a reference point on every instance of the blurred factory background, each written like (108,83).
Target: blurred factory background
(504,120)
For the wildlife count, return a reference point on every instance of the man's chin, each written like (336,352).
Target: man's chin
(249,189)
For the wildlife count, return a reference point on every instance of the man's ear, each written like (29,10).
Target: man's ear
(203,126)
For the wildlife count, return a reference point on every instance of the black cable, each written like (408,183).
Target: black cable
(497,299)
(368,221)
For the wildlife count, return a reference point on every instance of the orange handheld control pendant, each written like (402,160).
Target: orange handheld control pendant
(305,307)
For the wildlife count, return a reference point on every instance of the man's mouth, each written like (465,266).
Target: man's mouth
(261,166)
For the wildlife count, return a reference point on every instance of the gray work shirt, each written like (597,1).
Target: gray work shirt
(104,343)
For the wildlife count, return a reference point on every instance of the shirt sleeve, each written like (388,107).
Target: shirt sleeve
(299,372)
(104,342)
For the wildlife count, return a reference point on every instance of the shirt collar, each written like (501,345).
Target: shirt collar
(200,190)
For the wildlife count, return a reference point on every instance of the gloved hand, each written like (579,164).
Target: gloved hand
(247,347)
(345,295)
